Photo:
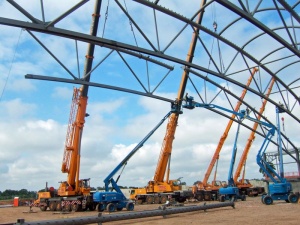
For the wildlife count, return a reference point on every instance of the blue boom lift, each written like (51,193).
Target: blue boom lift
(280,189)
(116,200)
(231,191)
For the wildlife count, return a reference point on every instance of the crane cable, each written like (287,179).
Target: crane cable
(106,16)
(212,46)
(12,62)
(130,23)
(222,67)
(215,26)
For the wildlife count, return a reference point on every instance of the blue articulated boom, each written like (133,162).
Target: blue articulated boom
(280,189)
(116,200)
(231,191)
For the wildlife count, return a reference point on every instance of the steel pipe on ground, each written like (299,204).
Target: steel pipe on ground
(126,216)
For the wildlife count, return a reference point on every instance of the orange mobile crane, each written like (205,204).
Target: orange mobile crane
(161,187)
(74,193)
(204,190)
(243,184)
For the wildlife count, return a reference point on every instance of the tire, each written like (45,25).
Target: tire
(92,207)
(52,206)
(100,207)
(207,196)
(199,197)
(293,198)
(149,199)
(68,208)
(268,200)
(222,198)
(130,206)
(163,199)
(139,202)
(243,198)
(156,199)
(43,208)
(58,206)
(111,207)
(250,193)
(76,207)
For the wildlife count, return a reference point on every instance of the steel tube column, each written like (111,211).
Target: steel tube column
(126,216)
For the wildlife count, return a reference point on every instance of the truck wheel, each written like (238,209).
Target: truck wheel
(268,200)
(163,199)
(52,206)
(222,198)
(199,197)
(130,206)
(43,207)
(92,207)
(58,206)
(293,198)
(243,198)
(149,199)
(101,207)
(76,207)
(207,196)
(111,207)
(156,199)
(250,193)
(68,208)
(139,201)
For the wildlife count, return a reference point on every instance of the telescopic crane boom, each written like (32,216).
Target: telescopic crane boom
(71,160)
(251,138)
(161,182)
(231,191)
(204,184)
(74,193)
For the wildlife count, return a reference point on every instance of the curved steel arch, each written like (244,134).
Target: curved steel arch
(177,16)
(113,45)
(153,54)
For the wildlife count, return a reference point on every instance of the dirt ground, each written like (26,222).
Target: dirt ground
(251,211)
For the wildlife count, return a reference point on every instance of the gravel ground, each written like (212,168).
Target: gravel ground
(251,211)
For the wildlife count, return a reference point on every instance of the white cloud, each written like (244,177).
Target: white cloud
(34,114)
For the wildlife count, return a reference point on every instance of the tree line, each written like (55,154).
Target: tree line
(23,193)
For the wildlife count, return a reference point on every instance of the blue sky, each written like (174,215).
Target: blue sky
(35,113)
